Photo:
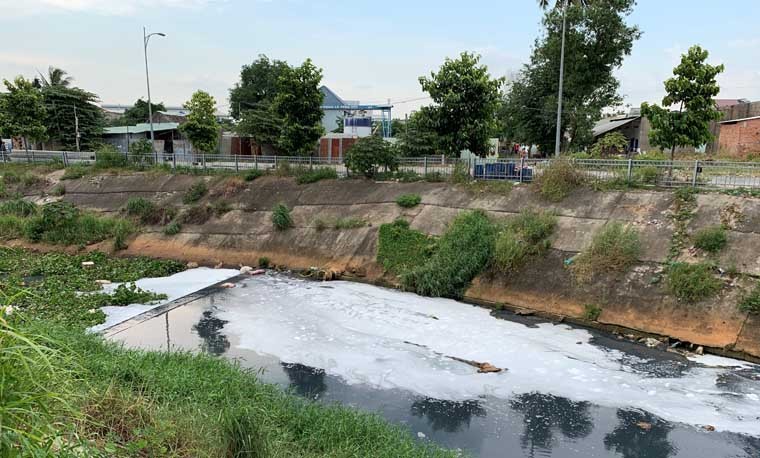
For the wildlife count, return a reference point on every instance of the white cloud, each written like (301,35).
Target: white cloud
(11,8)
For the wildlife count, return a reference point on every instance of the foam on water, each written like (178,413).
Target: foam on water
(390,339)
(174,286)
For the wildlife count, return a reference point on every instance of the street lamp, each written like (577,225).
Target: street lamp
(146,37)
(558,139)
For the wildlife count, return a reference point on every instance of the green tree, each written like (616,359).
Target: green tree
(597,40)
(466,99)
(201,127)
(298,104)
(417,137)
(138,113)
(22,111)
(370,153)
(68,106)
(55,77)
(692,90)
(258,86)
(611,143)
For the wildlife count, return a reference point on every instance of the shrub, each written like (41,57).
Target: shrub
(121,232)
(141,152)
(172,228)
(369,154)
(692,282)
(400,248)
(18,207)
(198,214)
(281,217)
(58,190)
(231,186)
(460,174)
(252,174)
(646,175)
(558,180)
(74,172)
(195,192)
(108,157)
(711,239)
(652,156)
(263,262)
(11,227)
(751,302)
(409,200)
(349,223)
(316,174)
(591,312)
(524,236)
(611,143)
(613,249)
(149,213)
(221,207)
(462,253)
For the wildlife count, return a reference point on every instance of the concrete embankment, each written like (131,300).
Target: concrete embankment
(636,300)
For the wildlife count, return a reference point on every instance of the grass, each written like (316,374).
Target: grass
(408,200)
(18,207)
(316,174)
(70,393)
(591,312)
(349,223)
(711,239)
(501,187)
(751,301)
(147,212)
(320,224)
(522,237)
(463,251)
(281,218)
(195,193)
(264,262)
(692,282)
(558,180)
(197,214)
(173,228)
(401,248)
(614,248)
(221,207)
(252,174)
(75,172)
(12,227)
(229,186)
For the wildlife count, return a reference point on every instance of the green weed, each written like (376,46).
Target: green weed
(524,236)
(614,248)
(591,312)
(281,218)
(692,282)
(264,262)
(252,174)
(18,207)
(349,223)
(558,180)
(751,301)
(173,228)
(401,248)
(409,200)
(195,192)
(711,239)
(316,174)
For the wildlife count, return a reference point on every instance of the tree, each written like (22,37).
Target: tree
(597,40)
(369,153)
(466,99)
(258,86)
(612,143)
(201,127)
(417,137)
(68,106)
(23,111)
(298,104)
(56,77)
(692,90)
(138,113)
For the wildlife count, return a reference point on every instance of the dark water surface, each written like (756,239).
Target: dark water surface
(531,424)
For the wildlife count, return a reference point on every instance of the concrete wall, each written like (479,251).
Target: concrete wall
(738,139)
(635,299)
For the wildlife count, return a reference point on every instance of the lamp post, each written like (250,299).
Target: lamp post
(558,139)
(146,38)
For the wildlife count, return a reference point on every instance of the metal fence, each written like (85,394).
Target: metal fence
(705,174)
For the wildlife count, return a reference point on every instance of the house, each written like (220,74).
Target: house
(168,139)
(740,137)
(633,126)
(358,119)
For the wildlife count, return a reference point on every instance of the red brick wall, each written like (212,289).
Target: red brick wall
(741,138)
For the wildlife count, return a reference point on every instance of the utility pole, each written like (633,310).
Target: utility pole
(76,127)
(146,37)
(558,138)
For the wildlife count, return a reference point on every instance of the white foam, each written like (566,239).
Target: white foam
(389,339)
(174,286)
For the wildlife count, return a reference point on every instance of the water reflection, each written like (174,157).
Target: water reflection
(544,413)
(449,416)
(640,435)
(751,446)
(307,381)
(208,328)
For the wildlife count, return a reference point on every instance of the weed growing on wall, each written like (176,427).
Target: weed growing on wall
(614,248)
(400,247)
(316,174)
(172,228)
(281,218)
(463,251)
(558,180)
(195,192)
(147,212)
(349,223)
(751,301)
(591,312)
(692,282)
(524,236)
(711,239)
(409,200)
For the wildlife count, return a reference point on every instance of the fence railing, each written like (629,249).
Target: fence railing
(705,174)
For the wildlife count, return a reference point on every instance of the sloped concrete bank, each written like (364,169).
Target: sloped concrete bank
(636,300)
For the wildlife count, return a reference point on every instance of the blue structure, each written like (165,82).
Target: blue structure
(335,107)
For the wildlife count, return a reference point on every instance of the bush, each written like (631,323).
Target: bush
(195,193)
(172,228)
(400,248)
(349,223)
(108,157)
(18,207)
(11,227)
(229,187)
(149,213)
(558,180)
(252,174)
(58,190)
(462,253)
(711,239)
(692,282)
(647,175)
(264,262)
(75,172)
(369,154)
(524,236)
(121,232)
(141,152)
(611,143)
(613,249)
(409,200)
(221,207)
(591,312)
(198,214)
(316,174)
(281,217)
(751,302)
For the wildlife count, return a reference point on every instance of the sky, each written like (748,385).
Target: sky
(370,51)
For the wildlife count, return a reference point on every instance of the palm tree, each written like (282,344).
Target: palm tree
(56,77)
(544,4)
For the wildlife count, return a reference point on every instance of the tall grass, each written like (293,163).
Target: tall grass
(18,207)
(281,218)
(400,248)
(692,282)
(462,253)
(711,239)
(614,249)
(524,236)
(558,180)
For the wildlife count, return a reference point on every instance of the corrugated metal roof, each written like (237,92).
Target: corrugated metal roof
(607,126)
(734,121)
(140,128)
